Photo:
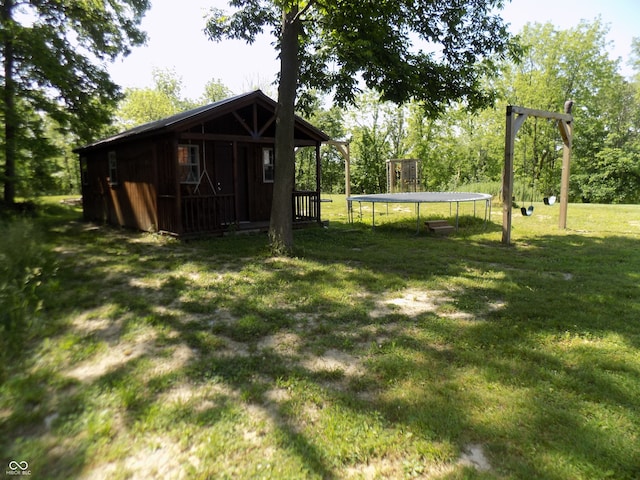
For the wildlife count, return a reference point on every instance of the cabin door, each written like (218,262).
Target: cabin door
(223,183)
(243,193)
(260,172)
(223,168)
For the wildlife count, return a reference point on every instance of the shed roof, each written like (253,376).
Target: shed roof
(180,120)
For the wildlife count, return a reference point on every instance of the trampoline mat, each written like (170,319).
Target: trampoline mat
(420,197)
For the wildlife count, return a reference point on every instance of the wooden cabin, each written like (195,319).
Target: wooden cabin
(203,171)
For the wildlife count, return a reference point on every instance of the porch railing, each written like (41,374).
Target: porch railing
(207,213)
(214,213)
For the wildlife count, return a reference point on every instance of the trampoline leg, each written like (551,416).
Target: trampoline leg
(487,206)
(373,215)
(418,219)
(457,212)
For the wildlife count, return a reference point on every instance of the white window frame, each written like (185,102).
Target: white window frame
(191,166)
(113,168)
(268,165)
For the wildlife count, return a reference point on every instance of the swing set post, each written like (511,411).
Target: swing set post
(566,130)
(513,124)
(515,117)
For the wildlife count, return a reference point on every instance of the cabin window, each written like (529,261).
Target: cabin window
(268,165)
(189,162)
(113,168)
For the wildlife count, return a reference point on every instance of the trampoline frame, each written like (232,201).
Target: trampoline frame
(418,198)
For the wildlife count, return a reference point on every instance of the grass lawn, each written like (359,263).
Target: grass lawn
(372,353)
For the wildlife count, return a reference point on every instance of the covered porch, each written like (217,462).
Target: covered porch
(215,214)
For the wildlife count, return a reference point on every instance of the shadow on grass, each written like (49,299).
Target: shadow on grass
(533,355)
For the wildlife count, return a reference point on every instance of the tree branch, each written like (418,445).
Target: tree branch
(304,10)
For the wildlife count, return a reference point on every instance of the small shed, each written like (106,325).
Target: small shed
(202,171)
(403,175)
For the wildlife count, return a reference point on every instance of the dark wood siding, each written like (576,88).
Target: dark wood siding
(149,195)
(94,198)
(130,200)
(168,200)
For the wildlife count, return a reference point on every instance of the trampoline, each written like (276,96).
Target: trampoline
(418,198)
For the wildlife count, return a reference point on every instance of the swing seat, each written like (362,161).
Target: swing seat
(527,212)
(550,200)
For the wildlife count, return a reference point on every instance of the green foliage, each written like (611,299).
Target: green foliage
(345,41)
(25,268)
(378,134)
(614,177)
(43,54)
(331,121)
(559,65)
(214,91)
(53,54)
(462,147)
(143,105)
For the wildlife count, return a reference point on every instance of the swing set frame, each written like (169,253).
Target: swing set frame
(516,117)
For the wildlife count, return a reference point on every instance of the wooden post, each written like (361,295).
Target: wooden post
(566,130)
(318,181)
(513,124)
(507,178)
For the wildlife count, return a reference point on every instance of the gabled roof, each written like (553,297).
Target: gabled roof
(176,122)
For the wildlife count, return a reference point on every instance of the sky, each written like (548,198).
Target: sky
(176,41)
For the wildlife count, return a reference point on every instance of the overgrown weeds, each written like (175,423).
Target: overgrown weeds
(26,271)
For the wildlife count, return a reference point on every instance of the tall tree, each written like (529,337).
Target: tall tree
(378,134)
(214,91)
(53,54)
(331,122)
(142,105)
(334,45)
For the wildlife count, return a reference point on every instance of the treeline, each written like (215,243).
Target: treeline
(463,147)
(456,149)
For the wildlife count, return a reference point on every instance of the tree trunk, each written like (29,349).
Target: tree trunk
(9,104)
(281,225)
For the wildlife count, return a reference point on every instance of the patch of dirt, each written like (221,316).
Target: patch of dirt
(411,302)
(282,343)
(233,349)
(160,457)
(103,328)
(473,456)
(121,353)
(334,360)
(277,395)
(396,468)
(116,356)
(180,357)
